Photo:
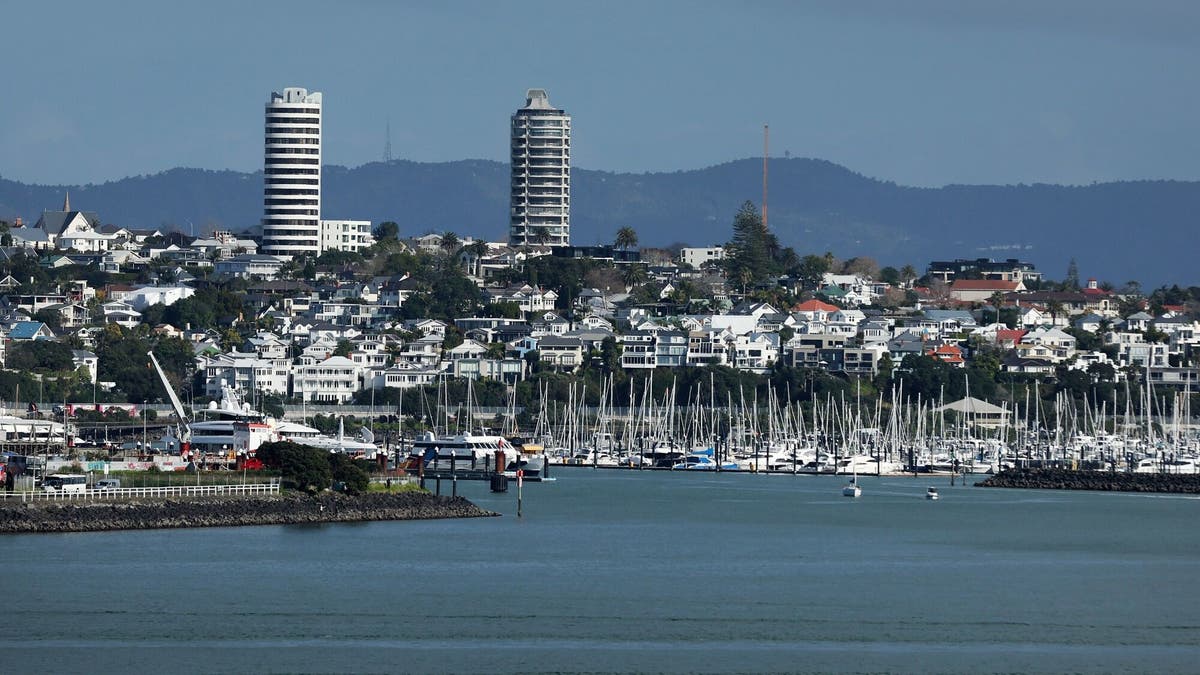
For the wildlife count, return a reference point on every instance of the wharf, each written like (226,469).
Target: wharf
(473,474)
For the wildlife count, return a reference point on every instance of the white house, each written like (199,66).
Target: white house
(402,377)
(565,353)
(145,296)
(121,314)
(81,358)
(526,297)
(249,265)
(244,372)
(700,256)
(334,380)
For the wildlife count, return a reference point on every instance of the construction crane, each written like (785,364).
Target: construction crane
(183,429)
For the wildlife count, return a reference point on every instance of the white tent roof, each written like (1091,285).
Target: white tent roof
(973,406)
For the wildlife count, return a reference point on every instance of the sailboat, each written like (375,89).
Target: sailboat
(852,488)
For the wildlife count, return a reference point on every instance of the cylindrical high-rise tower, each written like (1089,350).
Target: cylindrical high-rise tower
(540,204)
(292,174)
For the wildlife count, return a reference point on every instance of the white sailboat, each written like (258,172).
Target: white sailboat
(852,489)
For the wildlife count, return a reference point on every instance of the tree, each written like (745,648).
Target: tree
(610,354)
(343,348)
(752,247)
(603,278)
(1055,308)
(862,266)
(1071,283)
(626,238)
(305,467)
(335,258)
(40,355)
(354,480)
(386,230)
(908,274)
(811,270)
(450,242)
(632,275)
(231,339)
(478,250)
(51,318)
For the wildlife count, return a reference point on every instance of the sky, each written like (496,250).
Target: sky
(918,92)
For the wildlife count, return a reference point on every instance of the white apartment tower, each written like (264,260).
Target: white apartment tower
(540,204)
(292,174)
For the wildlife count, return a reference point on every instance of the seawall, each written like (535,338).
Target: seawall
(146,514)
(1061,479)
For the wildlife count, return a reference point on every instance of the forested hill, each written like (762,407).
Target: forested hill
(1116,231)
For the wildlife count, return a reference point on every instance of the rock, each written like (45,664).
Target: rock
(1062,479)
(90,516)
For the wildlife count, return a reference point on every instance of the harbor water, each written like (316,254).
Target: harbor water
(630,571)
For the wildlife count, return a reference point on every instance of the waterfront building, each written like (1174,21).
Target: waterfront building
(540,201)
(292,173)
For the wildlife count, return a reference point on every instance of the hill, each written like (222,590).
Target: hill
(1116,231)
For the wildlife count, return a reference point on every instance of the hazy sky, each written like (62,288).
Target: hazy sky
(921,93)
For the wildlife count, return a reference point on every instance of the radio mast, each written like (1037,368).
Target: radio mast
(766,140)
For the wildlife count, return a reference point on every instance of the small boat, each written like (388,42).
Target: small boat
(931,494)
(852,489)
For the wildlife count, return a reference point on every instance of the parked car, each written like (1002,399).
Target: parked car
(107,484)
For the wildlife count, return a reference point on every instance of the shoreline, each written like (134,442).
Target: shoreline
(188,512)
(1096,481)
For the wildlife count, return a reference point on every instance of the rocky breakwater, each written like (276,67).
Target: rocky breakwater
(145,514)
(1061,479)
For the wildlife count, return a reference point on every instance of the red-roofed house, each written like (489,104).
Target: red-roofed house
(948,354)
(1093,288)
(1009,339)
(980,290)
(814,310)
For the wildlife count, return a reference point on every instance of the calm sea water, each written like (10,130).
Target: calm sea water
(615,571)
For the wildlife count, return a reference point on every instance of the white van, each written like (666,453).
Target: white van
(107,484)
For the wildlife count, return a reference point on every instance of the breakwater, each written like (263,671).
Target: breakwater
(1061,479)
(147,514)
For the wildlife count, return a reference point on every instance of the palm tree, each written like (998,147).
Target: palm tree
(632,275)
(745,276)
(626,238)
(1055,308)
(478,249)
(540,235)
(450,242)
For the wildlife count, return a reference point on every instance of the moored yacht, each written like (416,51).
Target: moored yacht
(478,452)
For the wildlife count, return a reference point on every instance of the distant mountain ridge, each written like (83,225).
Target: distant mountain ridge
(1116,231)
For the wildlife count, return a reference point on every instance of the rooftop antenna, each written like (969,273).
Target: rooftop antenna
(766,141)
(387,144)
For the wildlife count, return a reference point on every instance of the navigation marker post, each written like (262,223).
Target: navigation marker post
(520,483)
